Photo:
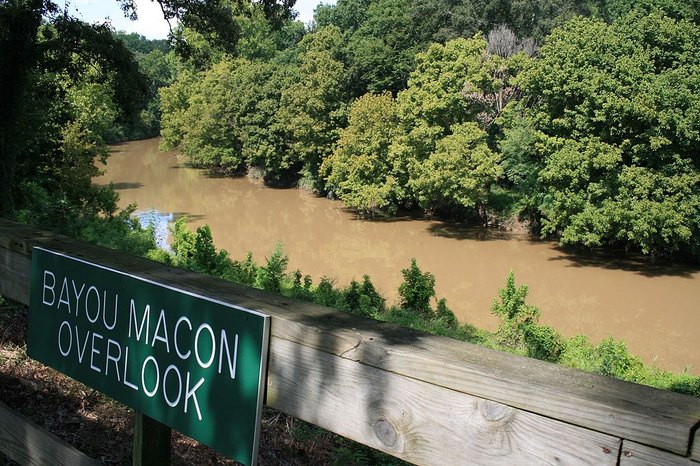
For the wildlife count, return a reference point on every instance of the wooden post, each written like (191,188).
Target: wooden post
(151,442)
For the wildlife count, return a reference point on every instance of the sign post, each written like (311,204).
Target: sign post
(190,362)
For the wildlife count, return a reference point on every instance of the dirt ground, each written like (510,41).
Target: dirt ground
(103,428)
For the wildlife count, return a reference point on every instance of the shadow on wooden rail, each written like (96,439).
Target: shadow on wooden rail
(423,398)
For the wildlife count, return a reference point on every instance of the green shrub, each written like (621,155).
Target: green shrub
(325,293)
(299,290)
(445,315)
(515,316)
(362,298)
(543,342)
(270,276)
(417,289)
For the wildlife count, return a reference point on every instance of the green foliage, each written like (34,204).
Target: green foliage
(361,171)
(325,293)
(543,342)
(140,44)
(271,275)
(362,298)
(374,302)
(433,100)
(616,120)
(174,102)
(519,329)
(312,109)
(419,147)
(445,315)
(436,326)
(247,271)
(196,251)
(417,289)
(299,290)
(212,137)
(382,50)
(183,240)
(459,172)
(609,358)
(512,302)
(518,148)
(119,231)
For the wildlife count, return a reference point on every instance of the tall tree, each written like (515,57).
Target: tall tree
(360,171)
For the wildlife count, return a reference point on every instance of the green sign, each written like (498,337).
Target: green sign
(193,363)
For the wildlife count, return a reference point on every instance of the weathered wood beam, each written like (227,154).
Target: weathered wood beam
(634,454)
(420,422)
(28,444)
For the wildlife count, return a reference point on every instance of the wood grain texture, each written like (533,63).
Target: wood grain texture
(695,451)
(28,444)
(658,418)
(634,454)
(419,422)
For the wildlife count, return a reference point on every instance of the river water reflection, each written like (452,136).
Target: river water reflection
(655,309)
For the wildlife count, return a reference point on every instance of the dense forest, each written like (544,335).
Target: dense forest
(580,119)
(577,119)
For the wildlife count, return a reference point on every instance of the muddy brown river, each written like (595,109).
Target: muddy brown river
(654,308)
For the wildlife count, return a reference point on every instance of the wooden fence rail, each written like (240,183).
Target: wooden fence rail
(28,444)
(426,399)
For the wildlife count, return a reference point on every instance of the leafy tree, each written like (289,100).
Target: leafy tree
(381,51)
(444,20)
(360,170)
(311,109)
(212,134)
(433,100)
(677,9)
(174,103)
(265,137)
(615,114)
(213,19)
(261,40)
(65,68)
(459,172)
(347,15)
(139,44)
(493,86)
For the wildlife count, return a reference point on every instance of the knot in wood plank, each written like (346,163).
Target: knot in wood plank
(496,412)
(391,423)
(386,433)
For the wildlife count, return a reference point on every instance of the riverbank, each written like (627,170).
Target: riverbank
(652,307)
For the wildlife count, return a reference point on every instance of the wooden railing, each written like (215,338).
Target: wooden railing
(423,398)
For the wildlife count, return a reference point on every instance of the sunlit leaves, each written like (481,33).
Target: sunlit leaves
(617,111)
(360,171)
(459,172)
